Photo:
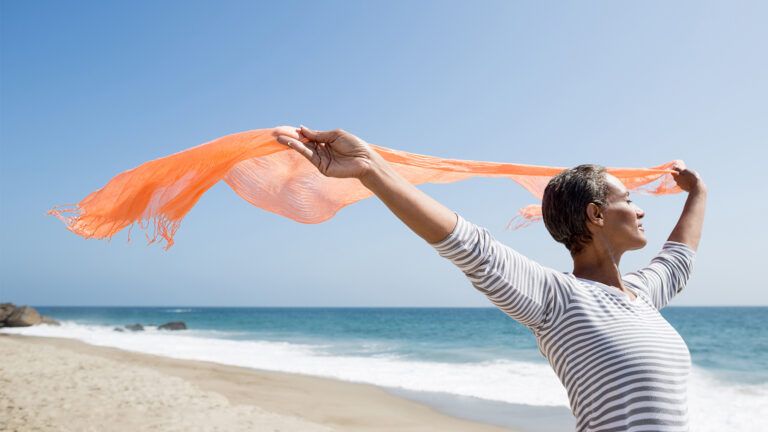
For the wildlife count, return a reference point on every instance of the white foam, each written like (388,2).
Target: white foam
(717,405)
(505,381)
(712,402)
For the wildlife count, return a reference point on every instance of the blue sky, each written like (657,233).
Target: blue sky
(89,89)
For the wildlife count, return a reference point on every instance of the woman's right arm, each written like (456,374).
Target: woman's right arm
(523,289)
(424,215)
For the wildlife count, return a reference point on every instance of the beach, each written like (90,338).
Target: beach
(55,384)
(336,368)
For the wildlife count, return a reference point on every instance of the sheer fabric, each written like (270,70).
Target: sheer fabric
(158,194)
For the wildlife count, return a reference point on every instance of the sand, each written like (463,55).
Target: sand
(49,384)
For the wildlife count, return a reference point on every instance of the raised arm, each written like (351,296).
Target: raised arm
(424,215)
(689,226)
(523,289)
(668,272)
(340,154)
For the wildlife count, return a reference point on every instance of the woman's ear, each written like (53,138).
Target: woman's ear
(595,214)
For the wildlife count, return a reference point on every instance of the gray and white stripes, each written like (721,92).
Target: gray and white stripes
(624,367)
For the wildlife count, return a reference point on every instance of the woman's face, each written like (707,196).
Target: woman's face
(622,218)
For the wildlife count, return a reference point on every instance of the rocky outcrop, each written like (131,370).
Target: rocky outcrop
(5,311)
(50,321)
(25,316)
(135,327)
(22,316)
(173,325)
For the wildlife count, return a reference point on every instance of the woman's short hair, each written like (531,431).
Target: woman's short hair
(564,206)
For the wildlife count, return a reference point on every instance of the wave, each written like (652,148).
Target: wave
(501,380)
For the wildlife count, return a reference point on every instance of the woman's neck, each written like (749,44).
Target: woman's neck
(598,264)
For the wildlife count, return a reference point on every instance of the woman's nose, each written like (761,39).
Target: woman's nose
(640,213)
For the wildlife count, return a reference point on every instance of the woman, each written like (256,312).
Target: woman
(624,367)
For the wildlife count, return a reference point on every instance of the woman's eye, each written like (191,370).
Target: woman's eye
(629,201)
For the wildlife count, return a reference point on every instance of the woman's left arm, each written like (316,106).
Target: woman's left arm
(689,226)
(668,272)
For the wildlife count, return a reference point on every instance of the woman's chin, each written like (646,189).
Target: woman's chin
(642,241)
(639,241)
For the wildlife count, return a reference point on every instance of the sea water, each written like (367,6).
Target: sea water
(475,363)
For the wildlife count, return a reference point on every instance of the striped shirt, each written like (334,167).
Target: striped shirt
(623,365)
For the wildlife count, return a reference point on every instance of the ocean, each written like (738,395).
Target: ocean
(475,363)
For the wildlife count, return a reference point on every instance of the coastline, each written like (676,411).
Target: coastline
(66,384)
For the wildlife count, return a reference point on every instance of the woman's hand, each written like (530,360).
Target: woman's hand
(335,153)
(687,180)
(340,154)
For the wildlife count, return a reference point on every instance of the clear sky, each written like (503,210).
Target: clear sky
(89,89)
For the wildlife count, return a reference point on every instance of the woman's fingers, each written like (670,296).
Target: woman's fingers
(307,150)
(321,136)
(677,171)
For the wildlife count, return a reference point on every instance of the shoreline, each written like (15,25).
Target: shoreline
(285,401)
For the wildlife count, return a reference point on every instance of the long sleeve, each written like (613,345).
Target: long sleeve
(519,286)
(667,273)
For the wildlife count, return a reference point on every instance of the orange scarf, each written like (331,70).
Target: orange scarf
(159,193)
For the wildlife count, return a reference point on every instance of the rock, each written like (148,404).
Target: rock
(173,325)
(23,316)
(135,327)
(50,321)
(118,329)
(5,311)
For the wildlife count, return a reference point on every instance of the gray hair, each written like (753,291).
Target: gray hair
(564,206)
